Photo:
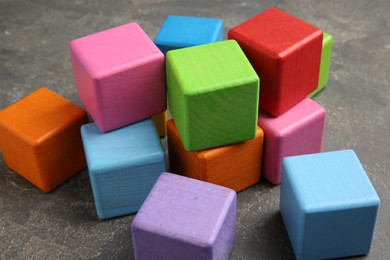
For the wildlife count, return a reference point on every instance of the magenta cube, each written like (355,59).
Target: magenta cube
(120,76)
(184,218)
(298,131)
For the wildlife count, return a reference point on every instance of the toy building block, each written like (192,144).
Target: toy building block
(160,121)
(285,52)
(236,166)
(325,63)
(120,76)
(298,131)
(183,218)
(328,205)
(40,138)
(123,166)
(184,31)
(213,94)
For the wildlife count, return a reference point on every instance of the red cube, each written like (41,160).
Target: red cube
(285,52)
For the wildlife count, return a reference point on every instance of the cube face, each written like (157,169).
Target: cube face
(345,241)
(120,76)
(123,166)
(67,155)
(325,63)
(160,121)
(235,166)
(184,31)
(122,192)
(297,52)
(183,218)
(14,150)
(40,122)
(213,95)
(328,204)
(298,131)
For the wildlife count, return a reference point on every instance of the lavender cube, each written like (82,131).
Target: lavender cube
(184,218)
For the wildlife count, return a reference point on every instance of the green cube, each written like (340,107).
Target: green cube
(213,94)
(325,63)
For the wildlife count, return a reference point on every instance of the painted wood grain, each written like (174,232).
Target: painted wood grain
(325,64)
(183,218)
(160,121)
(120,76)
(236,166)
(186,31)
(123,166)
(213,95)
(328,205)
(285,52)
(298,131)
(40,138)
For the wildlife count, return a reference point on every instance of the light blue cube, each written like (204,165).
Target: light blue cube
(328,205)
(123,166)
(184,31)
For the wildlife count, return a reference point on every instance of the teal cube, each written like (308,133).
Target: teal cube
(328,205)
(123,166)
(185,31)
(213,94)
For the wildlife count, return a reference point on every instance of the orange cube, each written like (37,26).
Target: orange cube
(40,138)
(236,166)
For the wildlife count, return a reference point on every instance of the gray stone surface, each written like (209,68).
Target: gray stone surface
(34,38)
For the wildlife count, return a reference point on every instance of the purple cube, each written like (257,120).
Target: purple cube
(184,218)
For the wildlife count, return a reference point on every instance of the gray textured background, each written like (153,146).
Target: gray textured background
(34,38)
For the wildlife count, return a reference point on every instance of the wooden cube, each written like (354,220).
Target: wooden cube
(185,31)
(123,166)
(183,218)
(40,138)
(298,131)
(325,64)
(120,76)
(285,51)
(328,205)
(160,121)
(213,95)
(236,166)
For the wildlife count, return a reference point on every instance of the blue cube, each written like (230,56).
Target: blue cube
(183,31)
(328,205)
(123,166)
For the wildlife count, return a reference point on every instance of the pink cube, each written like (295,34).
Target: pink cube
(120,76)
(298,131)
